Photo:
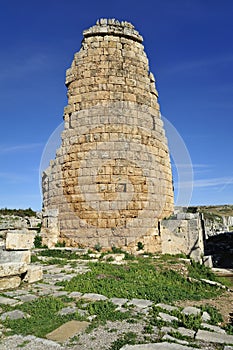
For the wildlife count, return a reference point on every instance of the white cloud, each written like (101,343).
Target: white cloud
(19,148)
(220,182)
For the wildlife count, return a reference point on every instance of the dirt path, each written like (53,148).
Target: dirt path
(223,303)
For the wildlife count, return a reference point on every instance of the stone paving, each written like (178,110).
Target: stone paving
(208,337)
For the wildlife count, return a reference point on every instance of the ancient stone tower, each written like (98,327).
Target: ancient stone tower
(111,180)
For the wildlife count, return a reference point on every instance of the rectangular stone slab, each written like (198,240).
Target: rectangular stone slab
(15,256)
(34,274)
(12,269)
(9,282)
(67,330)
(19,240)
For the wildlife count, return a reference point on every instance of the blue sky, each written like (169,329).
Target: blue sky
(190,49)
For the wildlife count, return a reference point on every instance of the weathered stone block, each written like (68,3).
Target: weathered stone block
(9,282)
(12,269)
(15,256)
(19,240)
(34,274)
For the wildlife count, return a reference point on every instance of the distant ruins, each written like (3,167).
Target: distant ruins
(111,181)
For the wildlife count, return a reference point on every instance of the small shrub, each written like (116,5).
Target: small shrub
(140,246)
(117,250)
(98,247)
(60,244)
(38,241)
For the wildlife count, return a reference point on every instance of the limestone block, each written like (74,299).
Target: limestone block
(34,274)
(12,269)
(19,240)
(15,256)
(207,261)
(9,282)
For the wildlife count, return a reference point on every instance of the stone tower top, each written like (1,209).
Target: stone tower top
(112,26)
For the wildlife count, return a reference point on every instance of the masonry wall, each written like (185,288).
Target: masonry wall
(183,233)
(111,179)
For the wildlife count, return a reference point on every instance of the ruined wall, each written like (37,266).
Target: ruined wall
(111,180)
(183,233)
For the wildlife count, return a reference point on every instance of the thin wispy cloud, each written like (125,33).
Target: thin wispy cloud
(20,148)
(220,182)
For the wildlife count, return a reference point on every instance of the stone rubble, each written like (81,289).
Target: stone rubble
(17,239)
(206,338)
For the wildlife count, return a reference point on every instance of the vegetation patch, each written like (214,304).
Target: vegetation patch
(18,212)
(43,318)
(141,280)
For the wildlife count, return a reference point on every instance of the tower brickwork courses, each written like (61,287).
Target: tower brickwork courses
(111,181)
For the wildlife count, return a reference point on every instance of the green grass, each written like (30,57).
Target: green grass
(106,310)
(127,338)
(138,280)
(43,319)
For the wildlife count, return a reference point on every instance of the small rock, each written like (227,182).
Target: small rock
(191,310)
(94,297)
(8,301)
(27,297)
(118,301)
(140,303)
(186,332)
(167,307)
(67,310)
(75,295)
(166,317)
(213,328)
(13,315)
(214,337)
(173,339)
(205,317)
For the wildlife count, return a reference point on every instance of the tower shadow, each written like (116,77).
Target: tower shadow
(221,249)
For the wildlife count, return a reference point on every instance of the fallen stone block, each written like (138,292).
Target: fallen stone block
(34,274)
(12,269)
(191,310)
(207,261)
(94,296)
(166,317)
(9,282)
(67,310)
(173,339)
(119,301)
(7,256)
(157,346)
(214,337)
(213,328)
(8,301)
(75,295)
(13,315)
(140,303)
(19,240)
(166,307)
(67,330)
(186,332)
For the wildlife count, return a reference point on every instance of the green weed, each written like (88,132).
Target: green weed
(44,317)
(140,280)
(127,338)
